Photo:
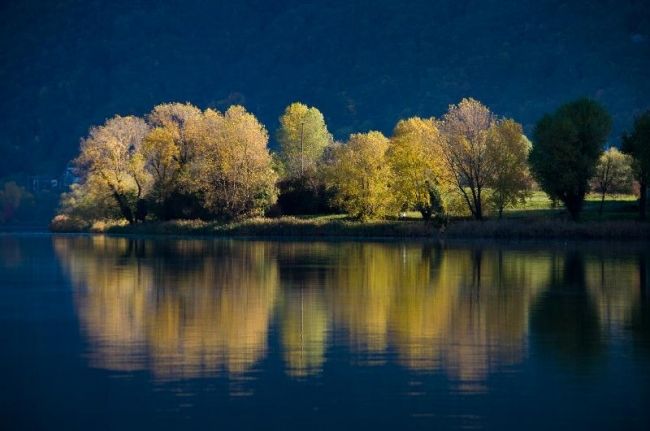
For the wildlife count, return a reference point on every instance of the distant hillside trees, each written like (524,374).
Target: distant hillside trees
(566,147)
(637,144)
(14,199)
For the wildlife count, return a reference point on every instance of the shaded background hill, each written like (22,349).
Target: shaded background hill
(66,65)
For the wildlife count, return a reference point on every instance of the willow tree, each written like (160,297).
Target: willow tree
(566,147)
(303,137)
(417,166)
(111,158)
(162,161)
(234,167)
(507,151)
(465,129)
(177,119)
(360,176)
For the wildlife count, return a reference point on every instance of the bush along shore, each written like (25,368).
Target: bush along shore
(291,227)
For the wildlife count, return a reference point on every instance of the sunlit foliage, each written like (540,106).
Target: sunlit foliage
(235,173)
(508,151)
(613,174)
(303,137)
(361,176)
(111,158)
(417,166)
(485,156)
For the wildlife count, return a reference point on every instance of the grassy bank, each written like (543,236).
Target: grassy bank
(537,219)
(336,227)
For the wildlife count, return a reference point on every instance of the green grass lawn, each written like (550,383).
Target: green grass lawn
(615,207)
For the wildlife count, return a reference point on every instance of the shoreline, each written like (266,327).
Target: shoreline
(296,228)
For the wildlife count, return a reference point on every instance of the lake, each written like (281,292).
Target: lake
(121,333)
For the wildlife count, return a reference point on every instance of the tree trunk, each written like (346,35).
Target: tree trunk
(643,199)
(477,204)
(602,202)
(124,207)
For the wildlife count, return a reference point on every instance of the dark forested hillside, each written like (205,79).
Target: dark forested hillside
(66,65)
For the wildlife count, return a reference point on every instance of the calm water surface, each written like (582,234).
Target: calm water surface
(114,333)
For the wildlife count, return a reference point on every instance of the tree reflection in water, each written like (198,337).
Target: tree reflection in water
(195,308)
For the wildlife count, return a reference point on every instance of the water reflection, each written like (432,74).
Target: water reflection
(192,308)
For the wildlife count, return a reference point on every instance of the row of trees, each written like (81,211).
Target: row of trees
(181,162)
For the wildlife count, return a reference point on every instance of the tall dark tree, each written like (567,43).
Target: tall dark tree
(567,144)
(637,144)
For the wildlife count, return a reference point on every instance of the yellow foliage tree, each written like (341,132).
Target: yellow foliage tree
(417,166)
(178,147)
(234,167)
(111,157)
(361,176)
(303,137)
(163,162)
(507,150)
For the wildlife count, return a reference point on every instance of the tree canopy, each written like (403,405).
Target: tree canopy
(637,144)
(361,176)
(303,137)
(418,171)
(566,147)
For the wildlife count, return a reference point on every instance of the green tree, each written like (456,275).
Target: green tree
(507,150)
(416,164)
(360,176)
(303,137)
(567,145)
(111,158)
(613,174)
(637,144)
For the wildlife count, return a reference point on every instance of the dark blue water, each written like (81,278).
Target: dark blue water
(113,333)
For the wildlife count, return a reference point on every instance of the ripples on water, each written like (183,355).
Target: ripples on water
(421,326)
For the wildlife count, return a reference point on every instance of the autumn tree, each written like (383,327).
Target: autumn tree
(465,128)
(234,166)
(170,153)
(507,151)
(567,145)
(637,144)
(111,158)
(303,137)
(613,174)
(360,176)
(417,167)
